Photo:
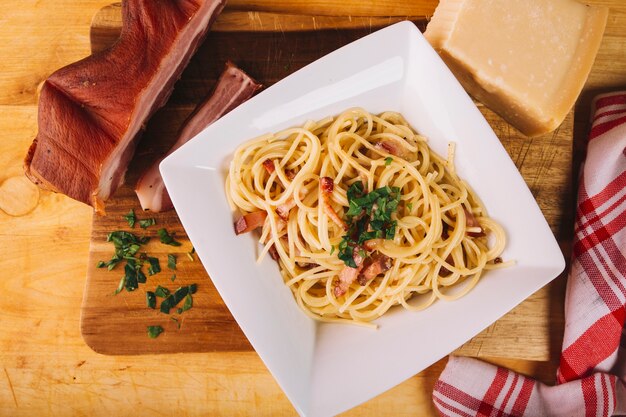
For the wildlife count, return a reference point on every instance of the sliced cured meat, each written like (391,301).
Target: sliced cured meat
(91,112)
(233,88)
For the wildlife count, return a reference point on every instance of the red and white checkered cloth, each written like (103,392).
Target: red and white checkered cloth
(593,359)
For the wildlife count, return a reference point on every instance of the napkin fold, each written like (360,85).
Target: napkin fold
(593,358)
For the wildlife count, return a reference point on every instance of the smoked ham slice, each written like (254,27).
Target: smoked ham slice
(233,88)
(91,112)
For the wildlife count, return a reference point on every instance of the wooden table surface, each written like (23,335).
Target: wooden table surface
(47,368)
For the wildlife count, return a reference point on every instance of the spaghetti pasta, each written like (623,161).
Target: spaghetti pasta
(361,216)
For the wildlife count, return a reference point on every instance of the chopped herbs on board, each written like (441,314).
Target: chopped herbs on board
(171,261)
(368,217)
(154,331)
(151,299)
(127,246)
(144,224)
(131,218)
(166,238)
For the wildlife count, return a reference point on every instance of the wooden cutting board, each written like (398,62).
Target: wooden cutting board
(270,47)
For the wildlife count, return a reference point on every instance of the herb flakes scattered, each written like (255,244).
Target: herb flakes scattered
(154,267)
(150,299)
(166,238)
(161,291)
(144,224)
(171,261)
(131,218)
(173,299)
(154,331)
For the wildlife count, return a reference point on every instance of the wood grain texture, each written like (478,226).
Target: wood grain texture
(46,368)
(270,55)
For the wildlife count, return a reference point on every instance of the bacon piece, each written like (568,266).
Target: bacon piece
(444,230)
(378,265)
(470,221)
(273,252)
(396,147)
(327,186)
(444,272)
(233,88)
(283,209)
(290,174)
(268,164)
(348,274)
(92,112)
(250,222)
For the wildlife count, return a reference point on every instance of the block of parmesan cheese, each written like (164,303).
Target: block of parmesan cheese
(525,59)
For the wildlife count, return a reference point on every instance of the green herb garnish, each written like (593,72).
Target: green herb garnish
(120,286)
(173,278)
(144,224)
(171,261)
(154,267)
(173,299)
(130,273)
(410,207)
(154,331)
(369,217)
(131,218)
(188,304)
(151,299)
(161,292)
(101,264)
(166,238)
(388,160)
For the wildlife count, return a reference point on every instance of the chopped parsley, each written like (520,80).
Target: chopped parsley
(131,218)
(150,299)
(154,331)
(369,217)
(172,300)
(144,224)
(154,267)
(410,207)
(161,291)
(173,278)
(120,286)
(130,273)
(166,238)
(188,304)
(388,160)
(171,261)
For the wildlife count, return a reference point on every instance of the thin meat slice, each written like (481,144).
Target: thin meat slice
(472,223)
(250,221)
(326,187)
(233,88)
(348,274)
(91,112)
(396,147)
(379,264)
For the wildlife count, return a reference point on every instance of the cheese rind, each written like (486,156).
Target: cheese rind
(527,60)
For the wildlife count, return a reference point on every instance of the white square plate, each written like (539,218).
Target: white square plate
(327,368)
